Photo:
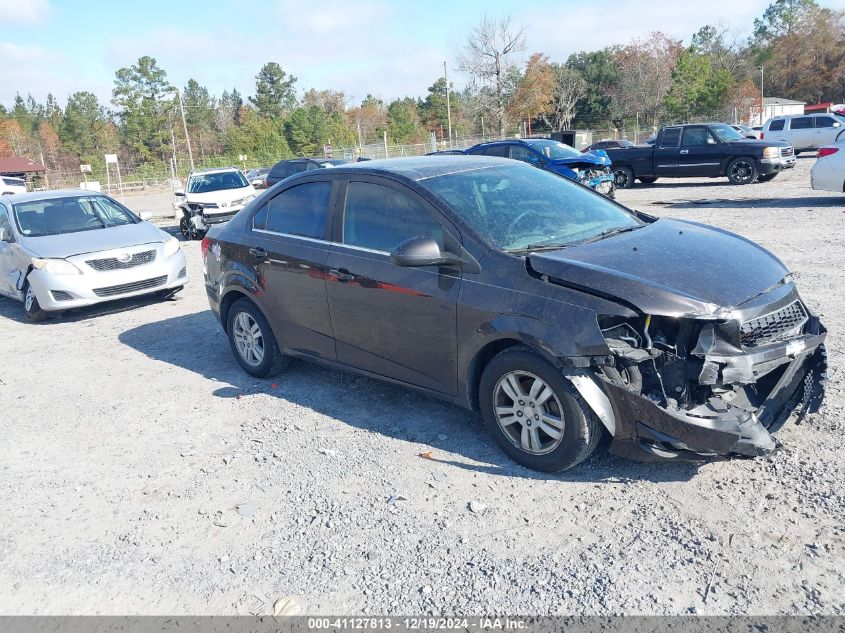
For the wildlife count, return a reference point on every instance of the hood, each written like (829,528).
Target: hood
(668,267)
(757,143)
(69,244)
(222,195)
(595,157)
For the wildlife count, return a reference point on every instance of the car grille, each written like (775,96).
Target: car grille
(111,263)
(774,326)
(217,218)
(60,295)
(785,152)
(135,286)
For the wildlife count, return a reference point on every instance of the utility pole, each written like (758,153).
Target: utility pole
(448,105)
(185,127)
(762,106)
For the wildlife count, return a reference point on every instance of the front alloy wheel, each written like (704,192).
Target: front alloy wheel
(742,171)
(528,412)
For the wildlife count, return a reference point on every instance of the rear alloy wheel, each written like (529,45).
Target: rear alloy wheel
(534,413)
(742,171)
(624,177)
(31,307)
(252,340)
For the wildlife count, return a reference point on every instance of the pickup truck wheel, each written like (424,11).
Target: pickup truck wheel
(648,180)
(624,177)
(767,177)
(742,171)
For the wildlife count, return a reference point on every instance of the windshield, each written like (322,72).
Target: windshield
(554,149)
(70,215)
(520,208)
(725,132)
(218,181)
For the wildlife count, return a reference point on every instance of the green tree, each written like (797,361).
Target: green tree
(308,129)
(137,93)
(403,123)
(274,91)
(697,88)
(599,71)
(84,130)
(261,139)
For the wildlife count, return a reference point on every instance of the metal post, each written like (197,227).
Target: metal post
(185,126)
(762,100)
(360,139)
(448,105)
(385,144)
(482,127)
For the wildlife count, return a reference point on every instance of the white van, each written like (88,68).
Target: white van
(805,132)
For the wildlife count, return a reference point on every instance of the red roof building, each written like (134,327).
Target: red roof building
(20,167)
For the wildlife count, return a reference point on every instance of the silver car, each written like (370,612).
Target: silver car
(67,249)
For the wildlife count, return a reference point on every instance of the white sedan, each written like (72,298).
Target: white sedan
(73,248)
(828,173)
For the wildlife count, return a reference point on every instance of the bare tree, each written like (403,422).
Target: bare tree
(568,87)
(488,56)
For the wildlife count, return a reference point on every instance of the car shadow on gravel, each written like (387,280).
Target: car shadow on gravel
(832,201)
(443,429)
(13,310)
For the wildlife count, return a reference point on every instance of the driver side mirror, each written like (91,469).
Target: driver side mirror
(179,194)
(422,251)
(5,235)
(837,124)
(146,215)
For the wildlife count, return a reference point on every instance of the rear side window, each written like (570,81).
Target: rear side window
(801,123)
(280,171)
(301,210)
(671,137)
(381,218)
(496,150)
(824,121)
(776,125)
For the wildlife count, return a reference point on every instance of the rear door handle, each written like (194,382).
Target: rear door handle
(342,274)
(258,253)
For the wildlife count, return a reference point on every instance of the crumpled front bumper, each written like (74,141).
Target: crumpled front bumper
(647,431)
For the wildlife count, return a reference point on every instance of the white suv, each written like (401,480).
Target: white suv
(212,196)
(805,132)
(9,185)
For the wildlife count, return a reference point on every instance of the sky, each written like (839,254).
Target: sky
(386,48)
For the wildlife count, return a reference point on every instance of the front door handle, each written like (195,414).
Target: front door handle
(684,151)
(342,274)
(258,253)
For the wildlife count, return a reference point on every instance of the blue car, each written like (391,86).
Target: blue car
(591,169)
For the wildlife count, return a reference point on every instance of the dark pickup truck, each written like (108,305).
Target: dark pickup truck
(703,149)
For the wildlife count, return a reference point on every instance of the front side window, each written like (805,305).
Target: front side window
(520,152)
(801,123)
(824,121)
(301,210)
(697,136)
(70,215)
(220,181)
(381,218)
(518,207)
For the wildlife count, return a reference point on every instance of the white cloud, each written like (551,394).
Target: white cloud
(24,11)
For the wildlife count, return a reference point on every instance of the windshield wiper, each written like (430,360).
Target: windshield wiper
(610,232)
(538,246)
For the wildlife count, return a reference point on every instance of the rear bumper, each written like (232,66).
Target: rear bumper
(646,431)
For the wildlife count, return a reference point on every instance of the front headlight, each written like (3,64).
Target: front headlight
(171,247)
(55,266)
(242,200)
(771,152)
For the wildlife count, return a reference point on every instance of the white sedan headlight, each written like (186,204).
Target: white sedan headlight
(171,247)
(55,266)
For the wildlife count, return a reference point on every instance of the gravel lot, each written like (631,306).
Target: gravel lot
(142,472)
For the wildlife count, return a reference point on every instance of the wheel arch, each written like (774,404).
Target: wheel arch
(233,295)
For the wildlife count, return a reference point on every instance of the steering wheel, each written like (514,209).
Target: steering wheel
(93,220)
(520,217)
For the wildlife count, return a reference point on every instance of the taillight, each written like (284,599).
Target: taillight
(827,151)
(206,242)
(265,183)
(762,135)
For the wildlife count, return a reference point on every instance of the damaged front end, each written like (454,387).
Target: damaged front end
(691,388)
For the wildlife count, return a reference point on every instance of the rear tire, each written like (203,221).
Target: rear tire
(742,171)
(624,177)
(31,307)
(252,340)
(546,426)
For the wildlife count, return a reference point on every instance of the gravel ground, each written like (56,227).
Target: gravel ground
(142,472)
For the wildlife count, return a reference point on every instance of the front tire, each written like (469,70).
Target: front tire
(535,414)
(648,180)
(624,177)
(31,307)
(742,171)
(252,340)
(188,230)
